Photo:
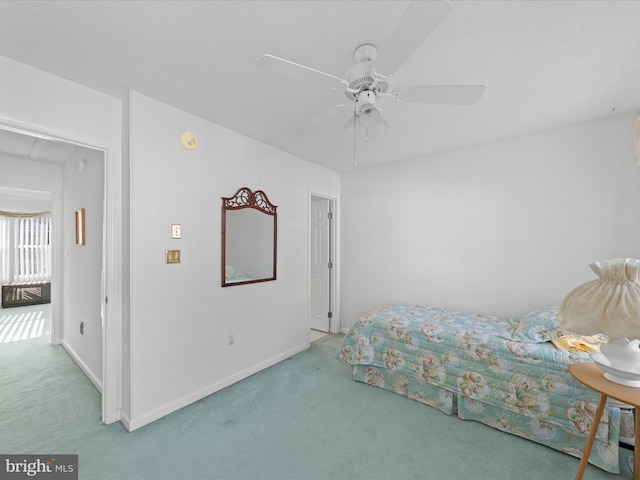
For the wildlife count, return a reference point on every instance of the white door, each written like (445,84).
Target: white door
(321,264)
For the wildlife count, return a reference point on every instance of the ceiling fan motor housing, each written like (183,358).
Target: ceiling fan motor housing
(360,79)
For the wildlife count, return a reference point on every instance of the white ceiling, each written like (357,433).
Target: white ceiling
(544,63)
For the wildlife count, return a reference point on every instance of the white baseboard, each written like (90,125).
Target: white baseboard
(148,417)
(83,366)
(124,419)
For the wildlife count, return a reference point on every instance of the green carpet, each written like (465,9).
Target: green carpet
(301,419)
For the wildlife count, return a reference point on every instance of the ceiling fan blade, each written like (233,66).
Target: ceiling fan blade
(444,94)
(420,19)
(280,66)
(321,118)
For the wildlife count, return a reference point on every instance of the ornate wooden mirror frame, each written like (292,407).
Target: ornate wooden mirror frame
(249,238)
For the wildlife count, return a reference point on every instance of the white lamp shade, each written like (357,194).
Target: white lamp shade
(369,116)
(381,126)
(609,304)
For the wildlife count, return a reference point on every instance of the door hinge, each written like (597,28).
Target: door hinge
(106,300)
(330,215)
(330,265)
(330,314)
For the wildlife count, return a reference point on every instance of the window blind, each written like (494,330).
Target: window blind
(25,249)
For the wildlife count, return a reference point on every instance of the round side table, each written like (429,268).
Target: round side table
(592,377)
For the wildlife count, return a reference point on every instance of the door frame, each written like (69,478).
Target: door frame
(334,324)
(111,270)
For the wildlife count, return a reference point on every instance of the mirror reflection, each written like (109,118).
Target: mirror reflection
(249,233)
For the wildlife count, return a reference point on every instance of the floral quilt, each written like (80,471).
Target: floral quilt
(500,371)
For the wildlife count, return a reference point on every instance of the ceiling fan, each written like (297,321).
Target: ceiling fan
(369,79)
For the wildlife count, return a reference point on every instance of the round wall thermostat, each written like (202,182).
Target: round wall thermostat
(188,140)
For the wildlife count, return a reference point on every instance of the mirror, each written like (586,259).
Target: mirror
(249,238)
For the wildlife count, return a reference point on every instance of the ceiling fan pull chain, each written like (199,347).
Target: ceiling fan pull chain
(354,134)
(355,164)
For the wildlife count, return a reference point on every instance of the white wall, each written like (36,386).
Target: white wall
(37,101)
(501,228)
(82,271)
(180,315)
(25,205)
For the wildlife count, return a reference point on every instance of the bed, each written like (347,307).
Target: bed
(231,275)
(503,372)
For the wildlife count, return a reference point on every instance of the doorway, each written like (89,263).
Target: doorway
(73,176)
(322,265)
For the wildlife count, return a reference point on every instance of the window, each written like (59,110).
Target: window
(25,249)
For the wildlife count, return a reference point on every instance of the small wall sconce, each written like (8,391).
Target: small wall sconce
(80,226)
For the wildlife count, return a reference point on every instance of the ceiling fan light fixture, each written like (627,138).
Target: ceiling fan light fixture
(366,97)
(366,109)
(369,116)
(357,123)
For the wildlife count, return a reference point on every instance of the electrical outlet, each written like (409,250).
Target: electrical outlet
(232,339)
(172,256)
(81,328)
(176,231)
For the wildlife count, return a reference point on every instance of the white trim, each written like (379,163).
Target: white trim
(56,268)
(83,366)
(112,283)
(125,420)
(157,413)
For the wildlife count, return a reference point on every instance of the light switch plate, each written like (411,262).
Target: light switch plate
(172,256)
(176,231)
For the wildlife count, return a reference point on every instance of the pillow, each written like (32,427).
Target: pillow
(538,326)
(231,273)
